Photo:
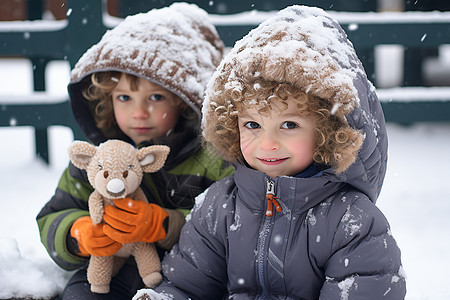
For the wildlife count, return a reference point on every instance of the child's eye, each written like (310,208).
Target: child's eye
(289,125)
(156,97)
(252,125)
(123,98)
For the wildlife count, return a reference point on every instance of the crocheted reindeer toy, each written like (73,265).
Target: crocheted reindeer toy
(115,170)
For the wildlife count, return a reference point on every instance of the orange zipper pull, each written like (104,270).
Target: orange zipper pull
(271,199)
(277,205)
(269,210)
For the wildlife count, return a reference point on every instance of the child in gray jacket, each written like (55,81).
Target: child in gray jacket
(292,108)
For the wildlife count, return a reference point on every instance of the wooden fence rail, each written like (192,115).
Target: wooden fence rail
(42,41)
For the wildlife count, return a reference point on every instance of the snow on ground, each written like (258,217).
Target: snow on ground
(416,200)
(27,184)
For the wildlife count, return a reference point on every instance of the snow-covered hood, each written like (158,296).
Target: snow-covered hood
(317,57)
(176,47)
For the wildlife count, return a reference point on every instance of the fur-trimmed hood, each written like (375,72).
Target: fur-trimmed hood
(307,48)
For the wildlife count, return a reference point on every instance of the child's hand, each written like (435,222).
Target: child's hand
(134,221)
(92,240)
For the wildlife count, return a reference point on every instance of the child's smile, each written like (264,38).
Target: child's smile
(272,161)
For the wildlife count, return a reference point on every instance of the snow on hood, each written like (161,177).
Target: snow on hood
(176,47)
(309,44)
(309,49)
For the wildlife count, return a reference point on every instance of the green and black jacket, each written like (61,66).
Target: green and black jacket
(188,171)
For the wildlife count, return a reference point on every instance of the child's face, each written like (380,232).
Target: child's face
(145,113)
(279,143)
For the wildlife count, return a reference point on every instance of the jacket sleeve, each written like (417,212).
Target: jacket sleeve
(365,259)
(55,219)
(196,266)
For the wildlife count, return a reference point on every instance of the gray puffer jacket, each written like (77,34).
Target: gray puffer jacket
(328,241)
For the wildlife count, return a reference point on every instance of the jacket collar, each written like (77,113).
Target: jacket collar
(295,194)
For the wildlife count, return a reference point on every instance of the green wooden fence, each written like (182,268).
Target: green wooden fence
(43,41)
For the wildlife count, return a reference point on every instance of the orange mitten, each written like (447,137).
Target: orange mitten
(134,221)
(91,238)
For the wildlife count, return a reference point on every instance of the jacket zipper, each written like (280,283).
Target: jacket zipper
(263,245)
(271,199)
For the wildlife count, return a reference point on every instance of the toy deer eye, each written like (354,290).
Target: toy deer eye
(131,166)
(100,167)
(106,174)
(125,174)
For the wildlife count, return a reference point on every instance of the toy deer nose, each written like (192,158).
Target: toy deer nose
(115,185)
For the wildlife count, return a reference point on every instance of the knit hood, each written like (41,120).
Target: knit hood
(307,48)
(175,47)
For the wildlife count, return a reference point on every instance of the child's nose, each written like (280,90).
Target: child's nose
(269,142)
(141,111)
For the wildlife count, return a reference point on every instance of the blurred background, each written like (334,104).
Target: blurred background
(419,67)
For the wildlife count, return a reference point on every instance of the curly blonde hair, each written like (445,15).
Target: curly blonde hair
(337,143)
(99,92)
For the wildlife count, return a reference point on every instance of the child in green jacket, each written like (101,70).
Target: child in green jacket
(142,83)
